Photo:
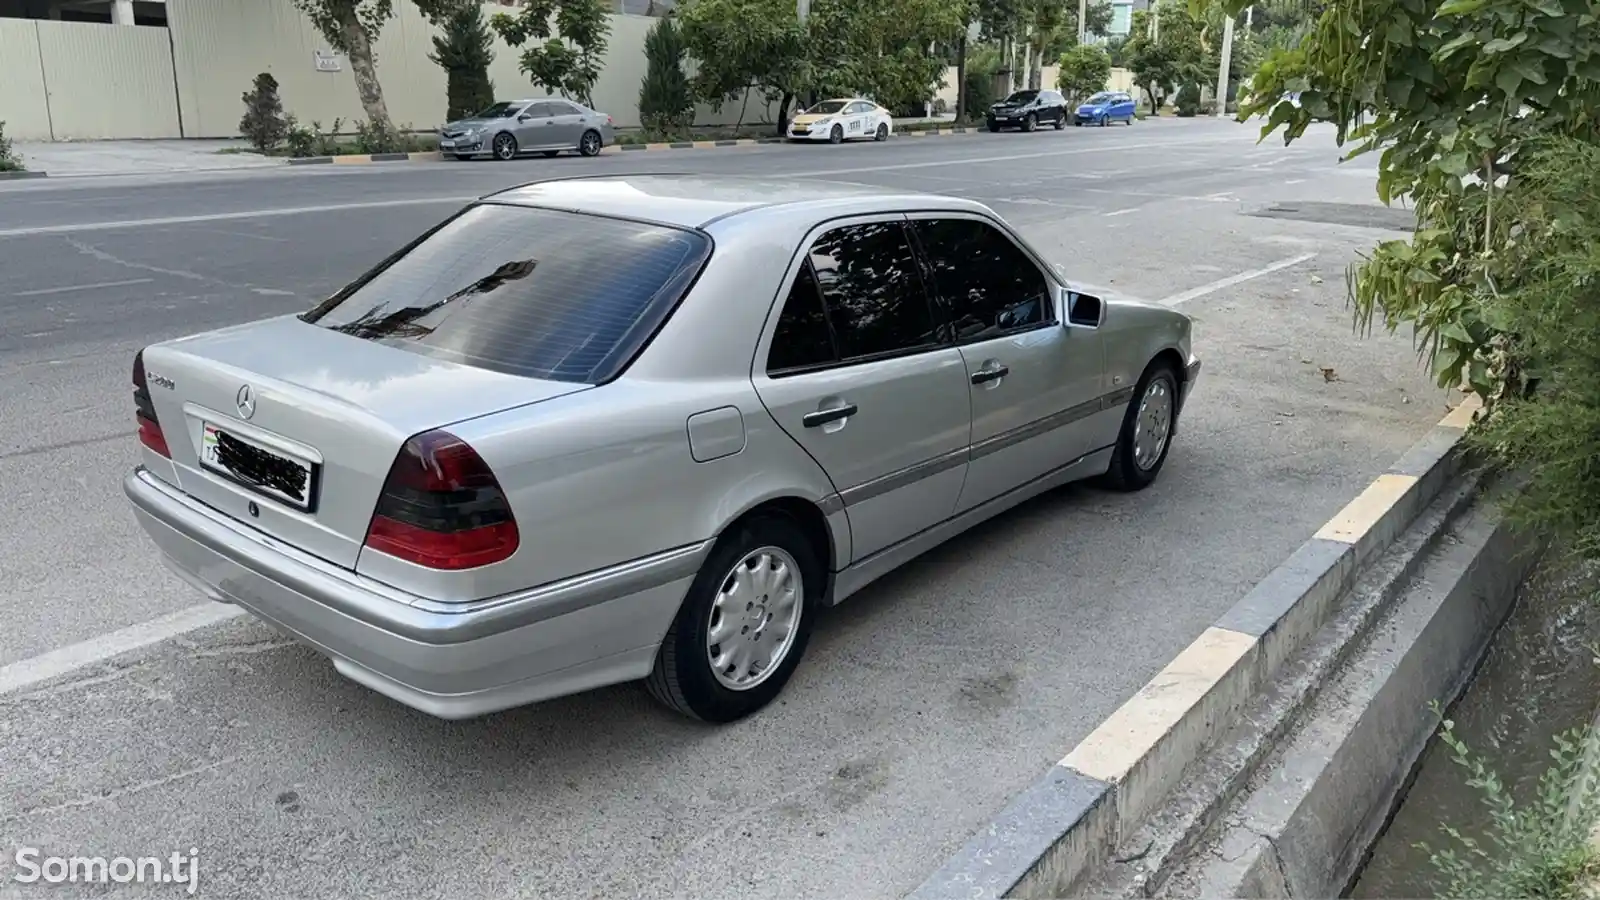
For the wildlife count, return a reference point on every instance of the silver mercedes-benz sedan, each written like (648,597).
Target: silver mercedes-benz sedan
(593,430)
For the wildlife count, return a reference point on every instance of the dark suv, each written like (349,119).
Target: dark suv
(1028,110)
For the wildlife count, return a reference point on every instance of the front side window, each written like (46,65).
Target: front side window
(498,111)
(872,290)
(531,292)
(985,284)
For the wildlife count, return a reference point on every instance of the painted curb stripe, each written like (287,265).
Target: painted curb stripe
(18,176)
(1139,753)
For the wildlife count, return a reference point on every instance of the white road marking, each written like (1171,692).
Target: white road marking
(1123,212)
(36,670)
(82,287)
(228,216)
(1231,280)
(464,198)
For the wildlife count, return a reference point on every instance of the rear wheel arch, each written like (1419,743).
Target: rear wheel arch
(807,515)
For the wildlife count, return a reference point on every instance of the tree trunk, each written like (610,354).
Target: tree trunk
(1036,64)
(742,107)
(961,78)
(358,48)
(783,112)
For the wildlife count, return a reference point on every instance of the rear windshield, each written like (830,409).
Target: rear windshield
(530,292)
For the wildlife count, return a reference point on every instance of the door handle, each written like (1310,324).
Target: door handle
(987,375)
(823,416)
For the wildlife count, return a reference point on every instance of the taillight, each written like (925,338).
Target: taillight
(610,121)
(145,410)
(441,507)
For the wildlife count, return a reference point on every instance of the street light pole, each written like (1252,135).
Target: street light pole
(1227,61)
(802,8)
(1083,21)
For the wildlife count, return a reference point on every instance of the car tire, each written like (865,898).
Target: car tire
(882,134)
(836,135)
(550,154)
(504,147)
(1154,407)
(591,143)
(1031,123)
(994,127)
(685,678)
(1061,122)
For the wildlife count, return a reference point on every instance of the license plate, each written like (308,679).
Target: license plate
(447,143)
(265,470)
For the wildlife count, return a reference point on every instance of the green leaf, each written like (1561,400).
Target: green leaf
(1455,331)
(1455,163)
(1469,39)
(1460,7)
(1501,45)
(1508,80)
(1550,8)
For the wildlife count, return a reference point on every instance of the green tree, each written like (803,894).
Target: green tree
(263,123)
(880,47)
(465,50)
(351,27)
(1176,57)
(1452,92)
(744,45)
(1084,70)
(571,38)
(666,103)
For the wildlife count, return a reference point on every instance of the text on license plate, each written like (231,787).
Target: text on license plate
(268,471)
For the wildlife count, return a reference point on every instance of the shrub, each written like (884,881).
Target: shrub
(666,102)
(464,51)
(1539,851)
(10,159)
(1085,69)
(378,137)
(263,123)
(313,141)
(1187,102)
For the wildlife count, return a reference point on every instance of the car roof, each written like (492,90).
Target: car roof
(695,201)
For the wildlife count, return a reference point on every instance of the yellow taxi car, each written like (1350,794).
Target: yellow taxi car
(836,121)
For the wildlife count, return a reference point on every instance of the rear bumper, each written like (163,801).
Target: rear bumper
(453,660)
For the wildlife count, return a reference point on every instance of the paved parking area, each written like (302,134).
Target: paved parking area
(923,703)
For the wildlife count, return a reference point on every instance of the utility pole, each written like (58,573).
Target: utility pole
(1227,61)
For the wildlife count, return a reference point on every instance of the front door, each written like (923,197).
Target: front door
(1035,383)
(533,126)
(854,371)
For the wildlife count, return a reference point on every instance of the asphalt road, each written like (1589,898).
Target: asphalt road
(923,704)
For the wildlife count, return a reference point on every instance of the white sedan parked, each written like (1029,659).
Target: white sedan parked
(836,121)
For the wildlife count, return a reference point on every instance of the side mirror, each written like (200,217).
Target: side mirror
(524,117)
(1085,309)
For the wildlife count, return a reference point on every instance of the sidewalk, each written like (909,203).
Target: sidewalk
(136,157)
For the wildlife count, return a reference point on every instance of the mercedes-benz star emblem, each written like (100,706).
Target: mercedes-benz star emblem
(246,401)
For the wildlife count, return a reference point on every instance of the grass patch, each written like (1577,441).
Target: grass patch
(743,133)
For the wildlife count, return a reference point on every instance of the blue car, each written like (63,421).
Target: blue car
(1106,107)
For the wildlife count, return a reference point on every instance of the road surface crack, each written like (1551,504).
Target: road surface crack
(118,793)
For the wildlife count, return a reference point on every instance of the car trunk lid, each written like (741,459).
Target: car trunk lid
(291,428)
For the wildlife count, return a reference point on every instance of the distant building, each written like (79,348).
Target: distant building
(106,12)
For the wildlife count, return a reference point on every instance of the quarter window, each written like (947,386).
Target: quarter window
(872,290)
(985,284)
(804,338)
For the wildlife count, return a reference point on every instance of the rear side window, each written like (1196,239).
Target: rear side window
(986,285)
(530,292)
(804,338)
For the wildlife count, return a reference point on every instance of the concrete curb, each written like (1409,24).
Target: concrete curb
(26,173)
(1066,824)
(365,158)
(1331,786)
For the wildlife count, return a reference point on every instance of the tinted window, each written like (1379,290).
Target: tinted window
(872,289)
(541,110)
(804,337)
(985,283)
(531,292)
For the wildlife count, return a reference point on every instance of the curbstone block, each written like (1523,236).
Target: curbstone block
(1140,752)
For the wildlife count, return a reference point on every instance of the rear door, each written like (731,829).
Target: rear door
(861,119)
(1034,383)
(1124,109)
(852,368)
(566,124)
